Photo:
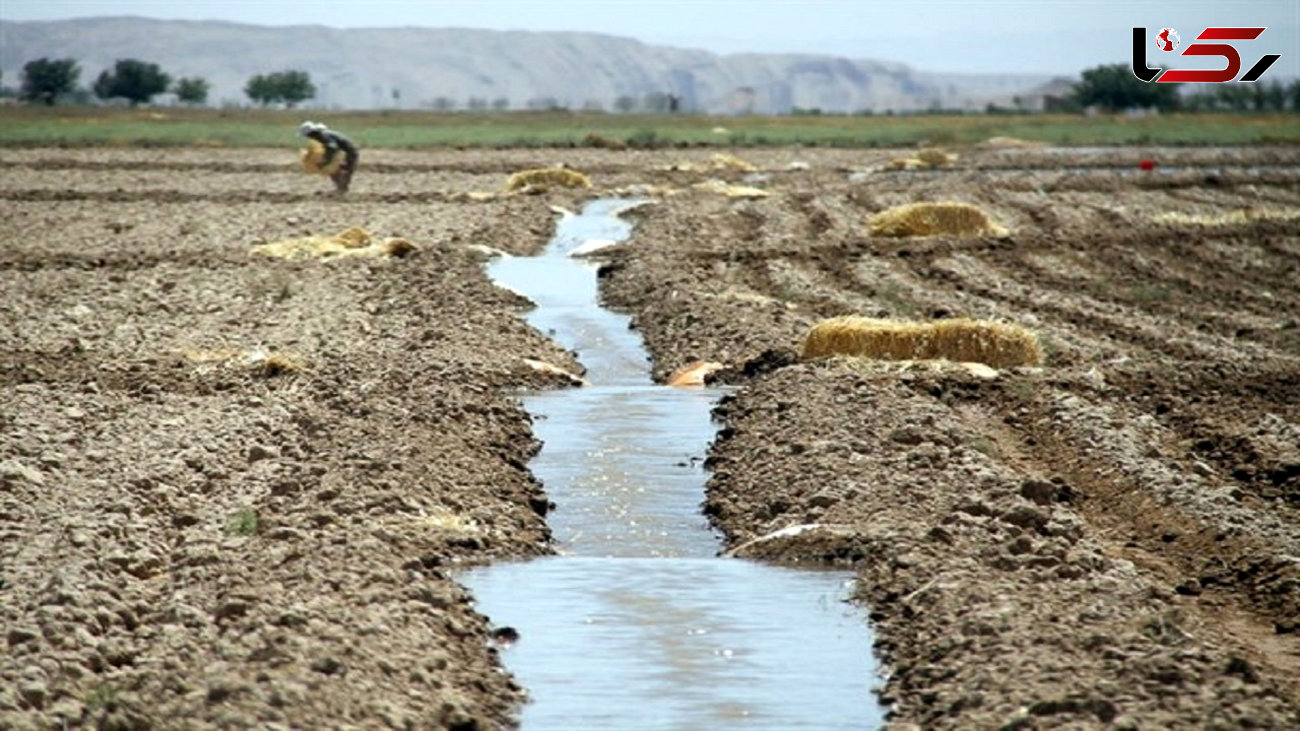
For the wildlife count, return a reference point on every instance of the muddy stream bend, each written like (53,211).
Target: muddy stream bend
(637,622)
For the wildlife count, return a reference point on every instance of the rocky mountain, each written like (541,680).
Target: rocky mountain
(374,68)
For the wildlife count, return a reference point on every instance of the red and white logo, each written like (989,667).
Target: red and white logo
(1167,39)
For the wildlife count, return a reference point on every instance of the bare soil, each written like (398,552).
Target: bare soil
(1112,540)
(1108,541)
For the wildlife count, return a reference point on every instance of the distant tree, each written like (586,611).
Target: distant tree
(443,104)
(281,87)
(260,89)
(295,87)
(1235,97)
(1199,102)
(135,81)
(625,103)
(44,80)
(397,97)
(476,104)
(501,104)
(1274,96)
(545,103)
(1293,91)
(1115,88)
(1258,99)
(192,91)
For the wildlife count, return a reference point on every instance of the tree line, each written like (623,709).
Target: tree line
(1111,87)
(46,80)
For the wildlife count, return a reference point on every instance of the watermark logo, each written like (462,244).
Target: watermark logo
(1167,40)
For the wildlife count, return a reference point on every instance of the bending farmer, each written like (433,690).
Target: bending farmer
(329,153)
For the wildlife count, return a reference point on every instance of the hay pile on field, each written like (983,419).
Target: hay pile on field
(540,180)
(930,157)
(960,340)
(259,362)
(313,159)
(1011,143)
(933,219)
(717,162)
(936,158)
(904,163)
(722,187)
(1228,218)
(723,161)
(353,242)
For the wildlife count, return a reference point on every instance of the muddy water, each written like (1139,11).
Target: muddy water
(637,623)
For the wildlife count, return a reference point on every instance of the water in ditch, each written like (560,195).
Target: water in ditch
(637,623)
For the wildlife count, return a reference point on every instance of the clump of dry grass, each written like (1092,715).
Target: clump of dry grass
(722,187)
(694,373)
(352,242)
(718,161)
(313,159)
(1011,143)
(930,157)
(931,219)
(905,163)
(723,161)
(258,362)
(975,341)
(541,179)
(936,158)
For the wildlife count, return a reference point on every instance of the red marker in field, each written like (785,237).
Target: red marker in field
(1147,163)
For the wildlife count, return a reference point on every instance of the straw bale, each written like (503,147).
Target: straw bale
(540,179)
(932,219)
(936,158)
(313,159)
(961,340)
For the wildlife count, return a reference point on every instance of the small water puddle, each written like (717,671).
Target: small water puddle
(637,623)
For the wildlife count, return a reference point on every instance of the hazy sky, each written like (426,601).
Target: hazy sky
(1051,36)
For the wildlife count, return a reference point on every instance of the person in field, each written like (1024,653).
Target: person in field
(329,153)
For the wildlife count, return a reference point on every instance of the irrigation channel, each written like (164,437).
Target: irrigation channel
(638,623)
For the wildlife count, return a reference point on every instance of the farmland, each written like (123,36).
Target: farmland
(1109,538)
